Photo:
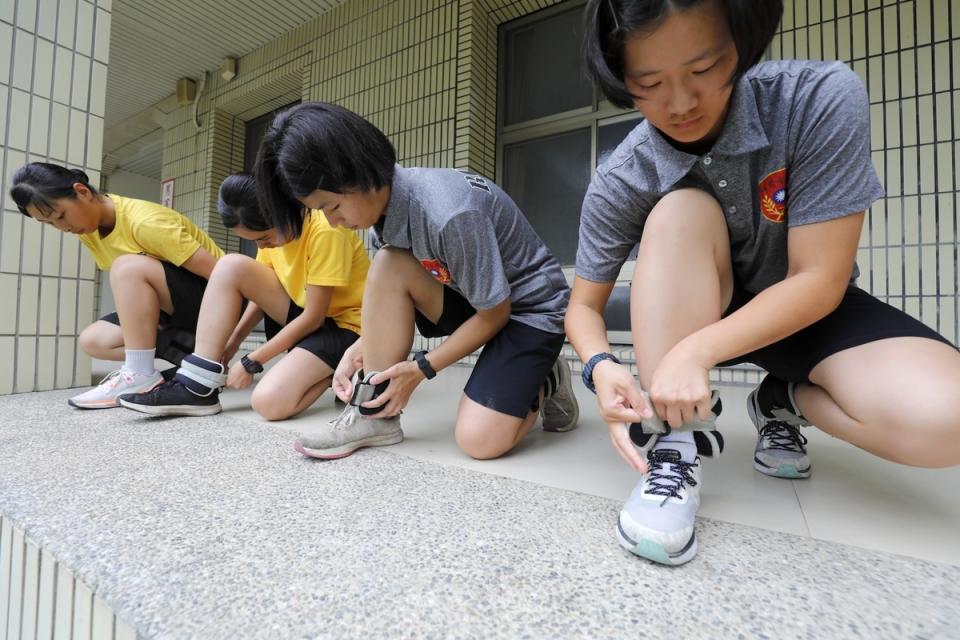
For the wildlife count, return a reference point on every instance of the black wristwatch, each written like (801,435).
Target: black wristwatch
(424,364)
(587,374)
(250,365)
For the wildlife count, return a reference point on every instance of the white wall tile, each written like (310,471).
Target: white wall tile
(39,125)
(81,82)
(47,320)
(27,14)
(77,147)
(88,268)
(84,42)
(94,142)
(6,50)
(6,12)
(85,310)
(101,47)
(47,592)
(68,307)
(47,19)
(27,303)
(43,69)
(30,248)
(59,125)
(22,59)
(67,365)
(19,113)
(26,362)
(10,242)
(46,370)
(8,312)
(63,623)
(98,88)
(105,4)
(66,22)
(4,94)
(62,71)
(80,373)
(50,261)
(6,373)
(71,254)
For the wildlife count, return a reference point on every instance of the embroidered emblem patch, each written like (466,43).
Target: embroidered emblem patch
(437,270)
(772,191)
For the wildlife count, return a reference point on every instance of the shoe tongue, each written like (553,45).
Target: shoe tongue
(673,451)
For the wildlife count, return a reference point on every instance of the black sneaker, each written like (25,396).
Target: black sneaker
(172,399)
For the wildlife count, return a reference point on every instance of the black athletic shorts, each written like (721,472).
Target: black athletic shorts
(186,291)
(328,343)
(860,319)
(513,364)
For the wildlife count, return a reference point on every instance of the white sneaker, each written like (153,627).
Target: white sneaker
(657,522)
(351,430)
(117,383)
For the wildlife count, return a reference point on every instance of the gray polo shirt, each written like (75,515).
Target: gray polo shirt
(472,237)
(795,150)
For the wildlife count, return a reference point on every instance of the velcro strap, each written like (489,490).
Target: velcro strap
(657,426)
(202,376)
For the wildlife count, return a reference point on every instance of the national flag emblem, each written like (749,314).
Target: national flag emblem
(772,192)
(437,270)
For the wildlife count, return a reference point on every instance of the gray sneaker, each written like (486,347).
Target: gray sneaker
(351,430)
(781,448)
(560,411)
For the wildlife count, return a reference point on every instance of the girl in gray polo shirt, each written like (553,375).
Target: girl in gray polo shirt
(456,258)
(745,187)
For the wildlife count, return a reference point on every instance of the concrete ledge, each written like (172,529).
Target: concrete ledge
(215,528)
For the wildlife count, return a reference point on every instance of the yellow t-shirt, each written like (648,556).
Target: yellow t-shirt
(151,229)
(323,256)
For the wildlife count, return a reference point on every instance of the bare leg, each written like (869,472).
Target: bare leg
(396,286)
(291,385)
(895,398)
(234,278)
(140,291)
(683,278)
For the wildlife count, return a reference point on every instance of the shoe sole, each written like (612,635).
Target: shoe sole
(108,404)
(786,471)
(345,450)
(173,409)
(655,552)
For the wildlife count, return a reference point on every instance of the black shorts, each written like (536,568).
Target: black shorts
(328,343)
(513,364)
(860,319)
(186,293)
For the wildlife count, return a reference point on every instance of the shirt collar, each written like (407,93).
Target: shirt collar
(741,134)
(395,229)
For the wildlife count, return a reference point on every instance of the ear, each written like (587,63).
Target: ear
(82,191)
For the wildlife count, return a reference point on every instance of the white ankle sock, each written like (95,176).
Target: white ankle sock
(139,360)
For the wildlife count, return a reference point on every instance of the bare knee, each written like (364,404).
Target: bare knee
(131,267)
(484,441)
(271,402)
(231,267)
(684,212)
(99,338)
(391,264)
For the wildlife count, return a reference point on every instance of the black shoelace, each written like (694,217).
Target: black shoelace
(669,483)
(783,436)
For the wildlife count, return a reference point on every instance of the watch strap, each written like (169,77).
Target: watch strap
(587,374)
(424,364)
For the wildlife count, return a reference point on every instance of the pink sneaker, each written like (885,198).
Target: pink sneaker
(117,383)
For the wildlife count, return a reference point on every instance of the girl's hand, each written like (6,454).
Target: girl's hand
(680,390)
(404,378)
(350,363)
(621,403)
(238,378)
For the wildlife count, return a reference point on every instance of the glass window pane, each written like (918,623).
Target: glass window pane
(548,178)
(543,69)
(611,135)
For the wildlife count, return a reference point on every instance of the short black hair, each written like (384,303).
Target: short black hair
(318,145)
(753,24)
(40,183)
(237,203)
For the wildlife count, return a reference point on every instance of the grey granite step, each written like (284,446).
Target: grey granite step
(216,528)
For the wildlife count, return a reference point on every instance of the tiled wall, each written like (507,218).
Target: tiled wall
(53,70)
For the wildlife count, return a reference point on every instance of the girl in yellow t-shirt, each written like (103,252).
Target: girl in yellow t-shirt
(158,261)
(309,288)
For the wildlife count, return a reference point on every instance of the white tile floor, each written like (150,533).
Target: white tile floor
(852,498)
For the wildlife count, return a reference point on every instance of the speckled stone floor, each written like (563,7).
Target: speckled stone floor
(216,528)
